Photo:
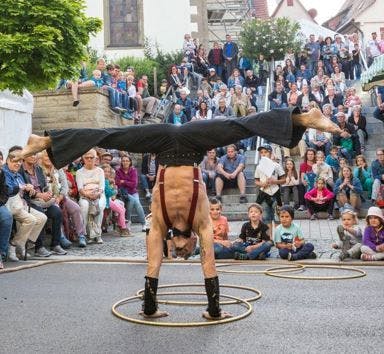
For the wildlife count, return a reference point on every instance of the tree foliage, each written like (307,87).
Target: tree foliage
(270,37)
(41,41)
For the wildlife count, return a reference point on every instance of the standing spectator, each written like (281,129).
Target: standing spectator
(91,183)
(378,113)
(262,72)
(6,220)
(348,189)
(127,181)
(148,102)
(381,43)
(377,168)
(189,47)
(319,199)
(373,238)
(313,50)
(230,51)
(230,173)
(149,167)
(373,49)
(244,63)
(216,59)
(269,196)
(356,61)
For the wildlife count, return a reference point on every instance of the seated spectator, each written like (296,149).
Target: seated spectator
(91,183)
(6,220)
(203,112)
(240,102)
(332,159)
(278,98)
(230,173)
(82,81)
(30,221)
(348,189)
(269,196)
(149,102)
(176,80)
(209,170)
(305,98)
(57,183)
(289,239)
(323,170)
(378,113)
(213,77)
(319,141)
(221,243)
(149,168)
(338,78)
(251,81)
(177,117)
(127,181)
(222,110)
(117,206)
(223,94)
(364,174)
(254,239)
(360,123)
(306,167)
(293,95)
(304,73)
(186,104)
(347,140)
(291,185)
(319,199)
(317,94)
(351,100)
(327,111)
(328,50)
(377,168)
(373,238)
(319,79)
(332,98)
(350,235)
(235,79)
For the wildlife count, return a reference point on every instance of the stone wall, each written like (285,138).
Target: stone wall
(54,110)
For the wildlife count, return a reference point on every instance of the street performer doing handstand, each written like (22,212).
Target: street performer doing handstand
(179,198)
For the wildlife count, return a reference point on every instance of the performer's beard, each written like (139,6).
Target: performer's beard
(184,246)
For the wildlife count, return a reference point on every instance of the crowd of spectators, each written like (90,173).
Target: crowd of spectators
(102,187)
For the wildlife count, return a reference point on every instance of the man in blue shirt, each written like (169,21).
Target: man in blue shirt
(378,113)
(230,173)
(230,51)
(377,168)
(313,50)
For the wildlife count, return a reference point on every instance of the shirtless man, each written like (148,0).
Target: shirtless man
(179,148)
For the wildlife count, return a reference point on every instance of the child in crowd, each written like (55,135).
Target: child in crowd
(349,234)
(97,79)
(319,199)
(332,160)
(364,174)
(222,245)
(322,169)
(255,242)
(343,162)
(114,204)
(289,238)
(291,184)
(373,239)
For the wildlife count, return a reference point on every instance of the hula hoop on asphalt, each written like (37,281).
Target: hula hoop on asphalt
(193,303)
(360,273)
(285,269)
(182,324)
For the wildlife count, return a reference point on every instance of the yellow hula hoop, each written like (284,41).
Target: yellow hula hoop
(285,269)
(360,273)
(181,324)
(193,303)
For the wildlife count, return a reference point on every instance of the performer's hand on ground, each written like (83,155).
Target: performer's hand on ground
(157,314)
(223,315)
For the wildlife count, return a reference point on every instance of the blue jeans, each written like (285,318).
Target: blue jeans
(134,203)
(300,253)
(222,252)
(265,247)
(281,105)
(218,69)
(6,221)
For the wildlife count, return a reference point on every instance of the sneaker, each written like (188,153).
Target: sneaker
(148,196)
(64,242)
(82,241)
(290,257)
(330,217)
(1,264)
(42,252)
(343,255)
(12,254)
(125,233)
(22,254)
(262,256)
(99,240)
(312,255)
(59,251)
(367,257)
(313,216)
(243,199)
(143,228)
(301,208)
(241,256)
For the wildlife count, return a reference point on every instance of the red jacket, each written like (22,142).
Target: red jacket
(324,193)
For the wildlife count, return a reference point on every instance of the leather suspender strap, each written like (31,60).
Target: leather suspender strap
(195,195)
(162,199)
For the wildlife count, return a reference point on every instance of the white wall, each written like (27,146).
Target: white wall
(372,19)
(15,119)
(165,21)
